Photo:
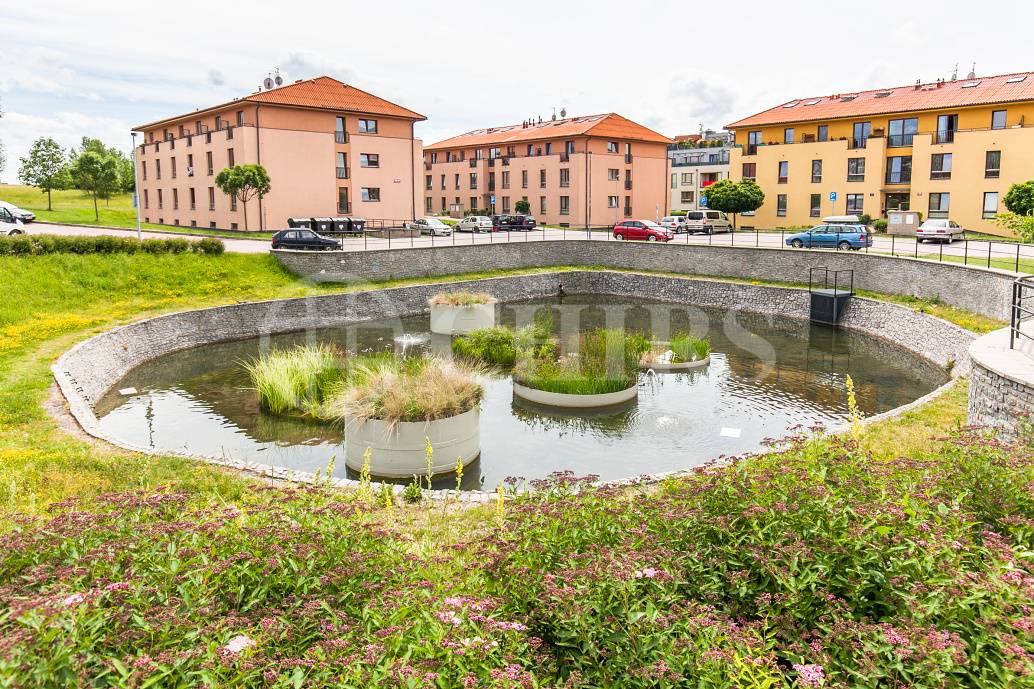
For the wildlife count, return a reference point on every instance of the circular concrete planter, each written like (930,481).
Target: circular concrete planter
(399,451)
(460,320)
(559,399)
(681,366)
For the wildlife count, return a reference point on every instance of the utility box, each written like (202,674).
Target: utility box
(322,225)
(300,222)
(830,292)
(904,223)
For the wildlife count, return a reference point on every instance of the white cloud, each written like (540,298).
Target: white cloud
(19,130)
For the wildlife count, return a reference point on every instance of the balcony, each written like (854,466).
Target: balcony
(427,166)
(344,209)
(506,161)
(565,157)
(628,184)
(628,158)
(473,162)
(945,136)
(491,162)
(750,150)
(857,142)
(342,173)
(341,137)
(628,211)
(900,140)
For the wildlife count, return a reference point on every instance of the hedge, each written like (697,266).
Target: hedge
(39,244)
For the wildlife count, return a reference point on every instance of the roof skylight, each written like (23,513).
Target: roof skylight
(791,104)
(1016,80)
(971,85)
(813,102)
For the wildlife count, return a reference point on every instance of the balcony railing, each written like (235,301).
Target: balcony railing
(344,209)
(992,173)
(940,174)
(565,157)
(750,149)
(342,173)
(506,161)
(900,178)
(628,211)
(856,142)
(565,211)
(491,162)
(427,166)
(628,184)
(945,136)
(473,162)
(628,158)
(341,137)
(193,206)
(899,140)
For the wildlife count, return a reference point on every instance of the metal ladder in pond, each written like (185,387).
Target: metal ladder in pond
(830,292)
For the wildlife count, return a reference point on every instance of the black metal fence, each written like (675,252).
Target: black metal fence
(1022,293)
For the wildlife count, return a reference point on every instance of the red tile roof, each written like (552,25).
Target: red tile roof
(679,138)
(607,125)
(321,93)
(1004,88)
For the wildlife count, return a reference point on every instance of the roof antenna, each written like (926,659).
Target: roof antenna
(554,113)
(972,72)
(278,80)
(955,74)
(563,113)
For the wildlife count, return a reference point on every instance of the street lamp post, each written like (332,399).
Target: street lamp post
(136,189)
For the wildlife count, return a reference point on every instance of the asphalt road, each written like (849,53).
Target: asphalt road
(974,252)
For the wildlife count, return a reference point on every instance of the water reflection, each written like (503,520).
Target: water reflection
(766,375)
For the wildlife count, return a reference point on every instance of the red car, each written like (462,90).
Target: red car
(643,230)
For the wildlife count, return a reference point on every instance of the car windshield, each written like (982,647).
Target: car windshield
(652,225)
(434,222)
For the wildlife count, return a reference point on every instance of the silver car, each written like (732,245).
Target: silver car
(940,231)
(475,223)
(431,226)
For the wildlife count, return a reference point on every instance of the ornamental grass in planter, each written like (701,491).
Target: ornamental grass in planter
(607,362)
(461,312)
(681,349)
(501,347)
(461,298)
(297,380)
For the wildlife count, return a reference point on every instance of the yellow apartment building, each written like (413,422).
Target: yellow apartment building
(949,149)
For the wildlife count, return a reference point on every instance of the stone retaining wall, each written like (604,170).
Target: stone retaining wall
(1001,385)
(979,290)
(91,368)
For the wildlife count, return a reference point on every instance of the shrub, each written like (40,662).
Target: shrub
(40,244)
(296,380)
(865,219)
(461,298)
(880,225)
(607,361)
(501,346)
(396,390)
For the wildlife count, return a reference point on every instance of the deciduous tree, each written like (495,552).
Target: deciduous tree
(734,197)
(42,167)
(244,182)
(96,173)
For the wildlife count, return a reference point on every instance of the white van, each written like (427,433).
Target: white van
(9,224)
(707,222)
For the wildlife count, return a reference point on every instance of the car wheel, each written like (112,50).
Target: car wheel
(844,245)
(797,244)
(14,232)
(651,238)
(619,236)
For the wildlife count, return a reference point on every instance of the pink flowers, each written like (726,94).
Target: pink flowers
(238,644)
(809,675)
(73,600)
(449,617)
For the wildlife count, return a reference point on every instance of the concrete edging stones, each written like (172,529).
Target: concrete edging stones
(89,369)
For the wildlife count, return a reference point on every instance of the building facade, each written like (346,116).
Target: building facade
(946,149)
(330,150)
(575,172)
(692,171)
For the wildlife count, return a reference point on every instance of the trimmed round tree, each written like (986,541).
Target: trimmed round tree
(522,206)
(734,197)
(1020,198)
(244,182)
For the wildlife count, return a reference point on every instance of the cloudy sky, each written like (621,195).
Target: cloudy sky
(96,68)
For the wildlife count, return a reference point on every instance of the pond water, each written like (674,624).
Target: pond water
(767,376)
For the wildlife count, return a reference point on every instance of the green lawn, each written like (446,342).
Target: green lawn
(74,207)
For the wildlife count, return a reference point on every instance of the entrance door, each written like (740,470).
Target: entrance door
(896,202)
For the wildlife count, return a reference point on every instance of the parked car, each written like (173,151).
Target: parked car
(675,223)
(9,224)
(837,236)
(475,223)
(707,222)
(431,226)
(302,238)
(517,223)
(643,230)
(19,213)
(940,231)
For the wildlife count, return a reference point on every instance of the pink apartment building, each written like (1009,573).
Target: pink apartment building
(578,171)
(330,150)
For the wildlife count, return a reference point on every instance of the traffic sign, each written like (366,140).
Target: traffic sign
(703,201)
(493,198)
(832,196)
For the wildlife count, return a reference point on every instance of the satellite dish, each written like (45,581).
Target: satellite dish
(563,112)
(279,79)
(267,82)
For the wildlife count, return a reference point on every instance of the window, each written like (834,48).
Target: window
(992,164)
(784,171)
(823,133)
(193,199)
(856,169)
(899,169)
(565,205)
(428,204)
(788,135)
(240,118)
(147,199)
(342,167)
(687,196)
(750,171)
(860,134)
(208,161)
(781,205)
(542,178)
(340,137)
(443,182)
(160,198)
(628,206)
(816,171)
(542,204)
(990,204)
(612,202)
(549,147)
(218,122)
(506,179)
(565,177)
(524,179)
(367,126)
(815,209)
(233,204)
(998,120)
(428,182)
(434,157)
(473,180)
(946,126)
(230,161)
(190,165)
(211,198)
(175,199)
(493,153)
(342,200)
(612,147)
(901,132)
(939,204)
(940,166)
(855,203)
(473,202)
(143,168)
(753,141)
(531,150)
(371,194)
(569,147)
(369,160)
(687,179)
(157,169)
(613,174)
(506,204)
(674,180)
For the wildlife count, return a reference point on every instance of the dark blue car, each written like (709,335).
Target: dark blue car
(841,237)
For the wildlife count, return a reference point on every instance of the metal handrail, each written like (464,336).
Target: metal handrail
(1020,314)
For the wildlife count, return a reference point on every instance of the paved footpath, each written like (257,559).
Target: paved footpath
(243,246)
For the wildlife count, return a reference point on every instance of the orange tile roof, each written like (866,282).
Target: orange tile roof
(608,125)
(321,93)
(950,94)
(679,138)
